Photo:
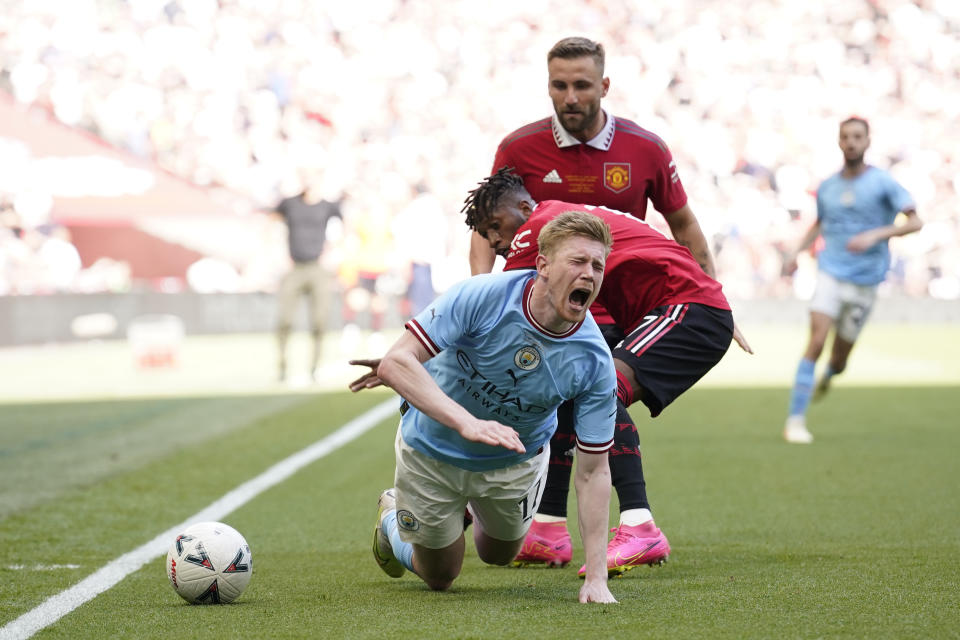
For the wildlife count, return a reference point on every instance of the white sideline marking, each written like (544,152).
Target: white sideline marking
(116,570)
(41,567)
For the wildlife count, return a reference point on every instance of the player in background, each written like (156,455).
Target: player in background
(582,154)
(673,324)
(499,350)
(857,209)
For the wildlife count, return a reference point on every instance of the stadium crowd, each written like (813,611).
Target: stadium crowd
(385,96)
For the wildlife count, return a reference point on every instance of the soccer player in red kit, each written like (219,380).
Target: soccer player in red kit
(672,325)
(582,154)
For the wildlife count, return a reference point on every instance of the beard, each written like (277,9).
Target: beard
(579,121)
(853,160)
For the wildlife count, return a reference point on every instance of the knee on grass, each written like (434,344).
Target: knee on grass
(498,553)
(440,582)
(499,559)
(439,585)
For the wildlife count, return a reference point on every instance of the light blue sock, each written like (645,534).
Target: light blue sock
(402,550)
(802,388)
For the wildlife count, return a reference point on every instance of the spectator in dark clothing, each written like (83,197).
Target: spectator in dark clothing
(306,216)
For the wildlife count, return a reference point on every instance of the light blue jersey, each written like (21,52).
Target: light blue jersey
(492,357)
(845,207)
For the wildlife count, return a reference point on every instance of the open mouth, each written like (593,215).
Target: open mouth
(579,297)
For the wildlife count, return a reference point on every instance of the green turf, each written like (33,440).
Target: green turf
(51,448)
(245,364)
(133,506)
(857,535)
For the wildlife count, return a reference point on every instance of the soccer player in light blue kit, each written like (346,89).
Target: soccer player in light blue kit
(482,371)
(856,213)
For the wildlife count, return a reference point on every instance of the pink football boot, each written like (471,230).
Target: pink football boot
(634,546)
(546,543)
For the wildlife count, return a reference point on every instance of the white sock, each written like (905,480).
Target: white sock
(634,517)
(537,517)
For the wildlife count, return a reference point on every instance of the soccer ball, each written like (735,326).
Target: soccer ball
(209,563)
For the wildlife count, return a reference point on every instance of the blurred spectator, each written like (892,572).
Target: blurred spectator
(212,275)
(105,275)
(420,238)
(368,269)
(241,94)
(59,260)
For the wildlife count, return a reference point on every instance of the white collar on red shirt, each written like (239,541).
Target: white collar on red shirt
(601,141)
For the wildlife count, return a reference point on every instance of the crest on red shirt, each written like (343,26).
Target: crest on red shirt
(616,176)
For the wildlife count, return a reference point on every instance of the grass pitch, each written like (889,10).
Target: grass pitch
(857,535)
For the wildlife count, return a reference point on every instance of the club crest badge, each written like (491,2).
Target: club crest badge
(616,176)
(406,520)
(527,358)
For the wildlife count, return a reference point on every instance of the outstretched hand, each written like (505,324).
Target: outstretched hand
(370,379)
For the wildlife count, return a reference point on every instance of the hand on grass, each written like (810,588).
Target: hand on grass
(596,591)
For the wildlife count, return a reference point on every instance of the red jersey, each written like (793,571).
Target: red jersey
(645,269)
(621,168)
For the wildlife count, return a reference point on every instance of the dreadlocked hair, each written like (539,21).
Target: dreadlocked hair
(482,201)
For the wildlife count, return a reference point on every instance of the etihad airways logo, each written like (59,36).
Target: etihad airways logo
(498,401)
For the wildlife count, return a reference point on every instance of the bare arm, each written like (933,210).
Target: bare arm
(592,480)
(482,256)
(402,370)
(790,258)
(687,232)
(866,239)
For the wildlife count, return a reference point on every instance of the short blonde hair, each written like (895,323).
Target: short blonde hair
(574,223)
(576,47)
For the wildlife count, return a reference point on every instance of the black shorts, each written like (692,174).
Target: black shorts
(673,347)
